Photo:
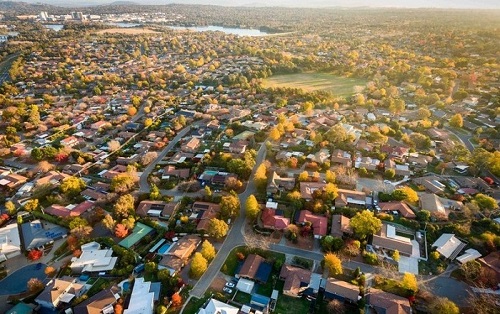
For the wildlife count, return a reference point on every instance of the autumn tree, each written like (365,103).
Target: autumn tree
(198,265)
(333,264)
(442,306)
(303,176)
(50,271)
(409,283)
(457,121)
(330,176)
(121,231)
(217,228)
(154,192)
(252,207)
(81,232)
(330,192)
(113,145)
(10,207)
(176,299)
(34,285)
(229,206)
(260,177)
(274,134)
(31,205)
(44,166)
(485,202)
(122,183)
(406,193)
(148,158)
(335,307)
(108,222)
(131,111)
(72,185)
(77,222)
(365,223)
(395,255)
(124,206)
(207,250)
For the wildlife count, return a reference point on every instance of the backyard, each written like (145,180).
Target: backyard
(291,305)
(341,86)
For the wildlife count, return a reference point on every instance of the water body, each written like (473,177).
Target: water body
(124,24)
(227,30)
(54,27)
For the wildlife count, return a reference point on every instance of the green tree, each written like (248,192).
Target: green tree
(333,264)
(229,206)
(406,193)
(485,202)
(108,222)
(198,265)
(72,186)
(151,267)
(442,306)
(457,121)
(365,223)
(37,154)
(423,215)
(207,250)
(31,205)
(252,208)
(217,228)
(389,173)
(330,243)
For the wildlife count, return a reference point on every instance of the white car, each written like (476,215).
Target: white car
(230,284)
(227,290)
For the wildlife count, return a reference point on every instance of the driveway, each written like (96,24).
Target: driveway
(408,265)
(17,281)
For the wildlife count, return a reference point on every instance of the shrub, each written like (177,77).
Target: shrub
(370,258)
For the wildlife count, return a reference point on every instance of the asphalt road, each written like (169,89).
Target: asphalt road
(5,68)
(143,181)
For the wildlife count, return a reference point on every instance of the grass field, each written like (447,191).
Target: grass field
(339,86)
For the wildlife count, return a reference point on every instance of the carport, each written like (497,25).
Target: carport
(408,265)
(245,285)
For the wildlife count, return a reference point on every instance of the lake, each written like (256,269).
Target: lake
(227,30)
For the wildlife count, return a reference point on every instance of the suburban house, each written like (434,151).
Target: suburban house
(278,184)
(272,218)
(368,163)
(60,290)
(255,268)
(448,246)
(36,235)
(438,205)
(12,180)
(319,223)
(69,210)
(399,208)
(156,209)
(102,302)
(341,290)
(172,172)
(204,212)
(399,170)
(342,157)
(140,231)
(179,253)
(238,147)
(51,177)
(299,281)
(492,263)
(10,242)
(69,141)
(340,226)
(385,302)
(144,294)
(93,259)
(350,198)
(307,189)
(215,306)
(388,239)
(431,184)
(191,146)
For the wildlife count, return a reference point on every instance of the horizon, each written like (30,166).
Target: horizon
(417,4)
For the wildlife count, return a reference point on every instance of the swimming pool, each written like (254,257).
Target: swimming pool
(164,248)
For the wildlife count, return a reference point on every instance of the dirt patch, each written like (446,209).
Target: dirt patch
(302,243)
(218,283)
(128,31)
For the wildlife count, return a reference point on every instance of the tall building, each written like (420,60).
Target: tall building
(44,16)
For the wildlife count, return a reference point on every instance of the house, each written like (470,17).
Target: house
(10,242)
(51,177)
(179,253)
(238,147)
(431,184)
(469,255)
(400,170)
(255,268)
(385,302)
(102,302)
(217,307)
(342,157)
(12,180)
(448,246)
(156,209)
(140,231)
(387,239)
(272,218)
(307,189)
(340,226)
(367,162)
(93,195)
(319,223)
(172,172)
(296,280)
(59,291)
(205,212)
(35,234)
(70,210)
(320,157)
(492,262)
(142,298)
(191,146)
(278,184)
(93,259)
(351,198)
(341,290)
(438,205)
(400,208)
(69,141)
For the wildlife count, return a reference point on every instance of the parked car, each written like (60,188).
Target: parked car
(230,284)
(227,290)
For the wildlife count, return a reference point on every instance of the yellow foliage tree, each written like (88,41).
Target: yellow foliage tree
(198,265)
(333,264)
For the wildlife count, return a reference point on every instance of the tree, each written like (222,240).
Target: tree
(330,176)
(77,222)
(442,306)
(44,166)
(331,192)
(31,205)
(72,186)
(207,250)
(395,256)
(154,192)
(35,255)
(176,299)
(121,231)
(124,206)
(148,158)
(208,191)
(406,193)
(131,111)
(113,145)
(252,207)
(198,265)
(150,267)
(148,122)
(35,285)
(330,243)
(335,307)
(108,222)
(389,173)
(10,207)
(365,223)
(332,264)
(457,121)
(122,183)
(81,232)
(50,271)
(260,177)
(423,215)
(274,134)
(485,202)
(471,270)
(217,228)
(229,206)
(303,176)
(410,283)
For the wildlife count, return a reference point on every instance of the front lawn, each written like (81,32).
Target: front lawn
(242,298)
(194,305)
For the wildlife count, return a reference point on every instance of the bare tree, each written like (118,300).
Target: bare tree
(256,241)
(44,166)
(113,145)
(148,158)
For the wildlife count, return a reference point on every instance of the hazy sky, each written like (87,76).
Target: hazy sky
(480,4)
